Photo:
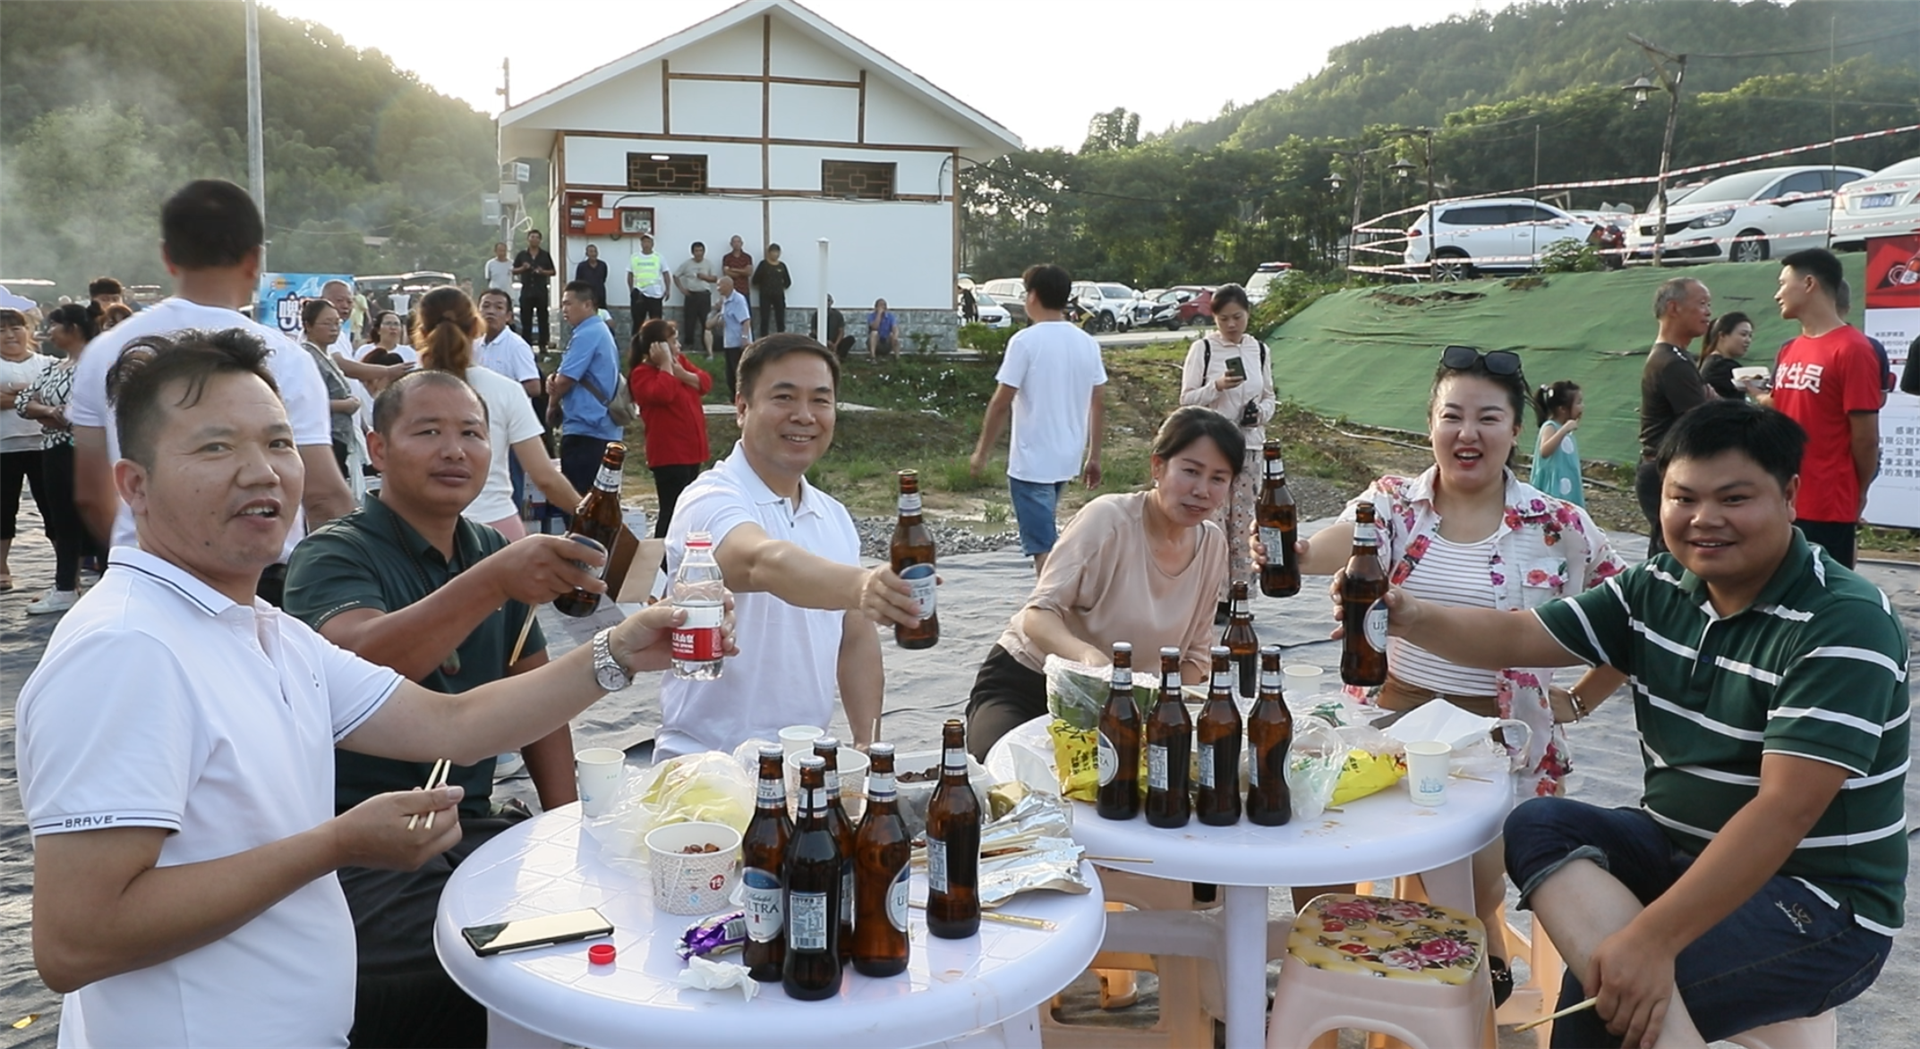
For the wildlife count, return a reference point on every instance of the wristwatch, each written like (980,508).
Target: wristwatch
(606,669)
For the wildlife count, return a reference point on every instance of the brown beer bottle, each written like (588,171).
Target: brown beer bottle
(1275,517)
(881,851)
(913,545)
(597,518)
(953,843)
(1269,734)
(1169,749)
(1242,643)
(1363,653)
(1119,739)
(1217,798)
(763,853)
(811,887)
(827,749)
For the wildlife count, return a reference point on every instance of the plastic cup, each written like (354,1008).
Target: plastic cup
(795,739)
(1427,762)
(698,882)
(852,768)
(599,772)
(1301,679)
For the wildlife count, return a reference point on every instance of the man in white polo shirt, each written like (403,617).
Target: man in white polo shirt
(175,743)
(790,552)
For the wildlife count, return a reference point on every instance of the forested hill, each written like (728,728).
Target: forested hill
(111,105)
(1417,75)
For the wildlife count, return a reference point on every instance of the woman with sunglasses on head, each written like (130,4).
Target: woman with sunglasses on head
(1468,532)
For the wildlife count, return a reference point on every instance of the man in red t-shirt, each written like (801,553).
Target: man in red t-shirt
(736,263)
(1828,381)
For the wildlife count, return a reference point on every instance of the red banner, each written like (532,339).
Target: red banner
(1893,272)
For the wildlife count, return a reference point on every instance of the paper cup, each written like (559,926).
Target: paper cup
(693,883)
(795,739)
(1301,679)
(599,773)
(1427,763)
(852,768)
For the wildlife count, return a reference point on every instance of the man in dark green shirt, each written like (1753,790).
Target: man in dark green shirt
(407,582)
(1763,877)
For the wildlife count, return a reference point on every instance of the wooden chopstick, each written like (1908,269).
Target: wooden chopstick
(1116,859)
(1568,1011)
(1021,920)
(435,778)
(525,629)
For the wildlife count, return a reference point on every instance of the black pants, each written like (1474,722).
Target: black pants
(580,457)
(1005,696)
(1646,490)
(16,469)
(340,458)
(773,317)
(670,481)
(402,995)
(693,319)
(733,371)
(533,315)
(644,307)
(71,540)
(1836,536)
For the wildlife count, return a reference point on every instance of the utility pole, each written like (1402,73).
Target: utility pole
(1669,79)
(256,163)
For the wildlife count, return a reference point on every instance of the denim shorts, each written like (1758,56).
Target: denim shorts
(1783,955)
(1034,503)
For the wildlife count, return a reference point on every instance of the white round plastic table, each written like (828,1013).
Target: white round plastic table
(1381,836)
(552,995)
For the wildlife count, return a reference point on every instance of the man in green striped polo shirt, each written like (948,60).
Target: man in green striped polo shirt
(1762,878)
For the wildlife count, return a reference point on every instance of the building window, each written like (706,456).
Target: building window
(667,172)
(860,179)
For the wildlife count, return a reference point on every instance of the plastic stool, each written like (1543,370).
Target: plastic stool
(1813,1032)
(1413,971)
(1181,1022)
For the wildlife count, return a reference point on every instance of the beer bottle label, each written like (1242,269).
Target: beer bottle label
(921,578)
(763,906)
(772,792)
(1108,758)
(936,865)
(1223,679)
(1276,469)
(880,786)
(1170,682)
(607,480)
(1377,625)
(1156,766)
(955,760)
(698,639)
(1365,533)
(833,784)
(1206,765)
(1123,679)
(897,899)
(1276,543)
(846,893)
(1269,681)
(909,504)
(807,924)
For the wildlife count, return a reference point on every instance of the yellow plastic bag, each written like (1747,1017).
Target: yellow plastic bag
(1076,759)
(1366,773)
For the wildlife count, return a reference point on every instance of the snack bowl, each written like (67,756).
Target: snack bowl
(693,883)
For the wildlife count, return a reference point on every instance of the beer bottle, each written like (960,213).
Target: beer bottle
(913,559)
(811,885)
(881,851)
(953,843)
(1274,514)
(1119,740)
(1217,800)
(827,749)
(1242,643)
(597,518)
(1169,749)
(1269,734)
(1363,653)
(698,587)
(763,853)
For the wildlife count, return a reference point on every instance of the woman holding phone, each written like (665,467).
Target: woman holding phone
(1228,372)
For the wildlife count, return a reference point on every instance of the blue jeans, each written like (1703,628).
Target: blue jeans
(1034,503)
(1782,955)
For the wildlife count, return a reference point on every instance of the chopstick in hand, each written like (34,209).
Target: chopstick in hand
(436,778)
(1568,1011)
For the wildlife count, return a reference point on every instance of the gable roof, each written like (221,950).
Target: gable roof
(997,137)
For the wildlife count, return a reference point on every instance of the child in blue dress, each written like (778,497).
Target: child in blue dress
(1556,458)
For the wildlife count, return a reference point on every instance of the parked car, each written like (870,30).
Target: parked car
(1180,306)
(989,311)
(1747,217)
(1113,307)
(1263,275)
(1010,293)
(1500,233)
(1884,204)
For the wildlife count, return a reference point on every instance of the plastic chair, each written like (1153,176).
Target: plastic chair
(1412,971)
(1813,1032)
(1182,1022)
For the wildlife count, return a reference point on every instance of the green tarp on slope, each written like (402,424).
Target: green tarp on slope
(1370,353)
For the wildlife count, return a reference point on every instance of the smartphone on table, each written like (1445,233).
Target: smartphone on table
(540,931)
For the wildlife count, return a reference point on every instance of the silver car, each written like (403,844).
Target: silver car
(1884,204)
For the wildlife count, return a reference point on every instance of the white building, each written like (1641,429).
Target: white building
(770,123)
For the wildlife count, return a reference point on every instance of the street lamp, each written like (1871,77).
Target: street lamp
(1402,169)
(1334,181)
(1640,88)
(1671,68)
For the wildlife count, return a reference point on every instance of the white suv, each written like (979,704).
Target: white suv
(1112,306)
(1746,217)
(1502,233)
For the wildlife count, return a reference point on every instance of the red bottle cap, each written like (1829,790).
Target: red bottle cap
(600,954)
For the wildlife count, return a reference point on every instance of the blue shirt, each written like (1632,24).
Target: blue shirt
(885,324)
(589,357)
(734,317)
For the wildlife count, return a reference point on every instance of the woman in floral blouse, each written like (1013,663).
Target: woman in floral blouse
(1468,532)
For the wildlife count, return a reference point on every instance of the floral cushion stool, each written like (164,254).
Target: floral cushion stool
(1411,970)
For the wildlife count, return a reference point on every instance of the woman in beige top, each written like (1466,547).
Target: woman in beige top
(1228,371)
(1143,568)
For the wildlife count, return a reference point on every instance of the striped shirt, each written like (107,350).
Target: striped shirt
(1450,574)
(1816,668)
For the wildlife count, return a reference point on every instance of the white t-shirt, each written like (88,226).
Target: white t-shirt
(509,355)
(1055,366)
(500,274)
(298,377)
(215,722)
(18,433)
(787,672)
(510,420)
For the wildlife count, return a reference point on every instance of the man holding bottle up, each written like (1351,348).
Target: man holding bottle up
(789,553)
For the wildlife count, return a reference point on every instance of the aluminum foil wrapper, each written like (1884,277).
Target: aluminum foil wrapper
(715,935)
(1036,812)
(1051,863)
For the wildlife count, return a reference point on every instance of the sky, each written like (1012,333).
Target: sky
(1040,67)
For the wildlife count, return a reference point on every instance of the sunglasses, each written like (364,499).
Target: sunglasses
(1497,362)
